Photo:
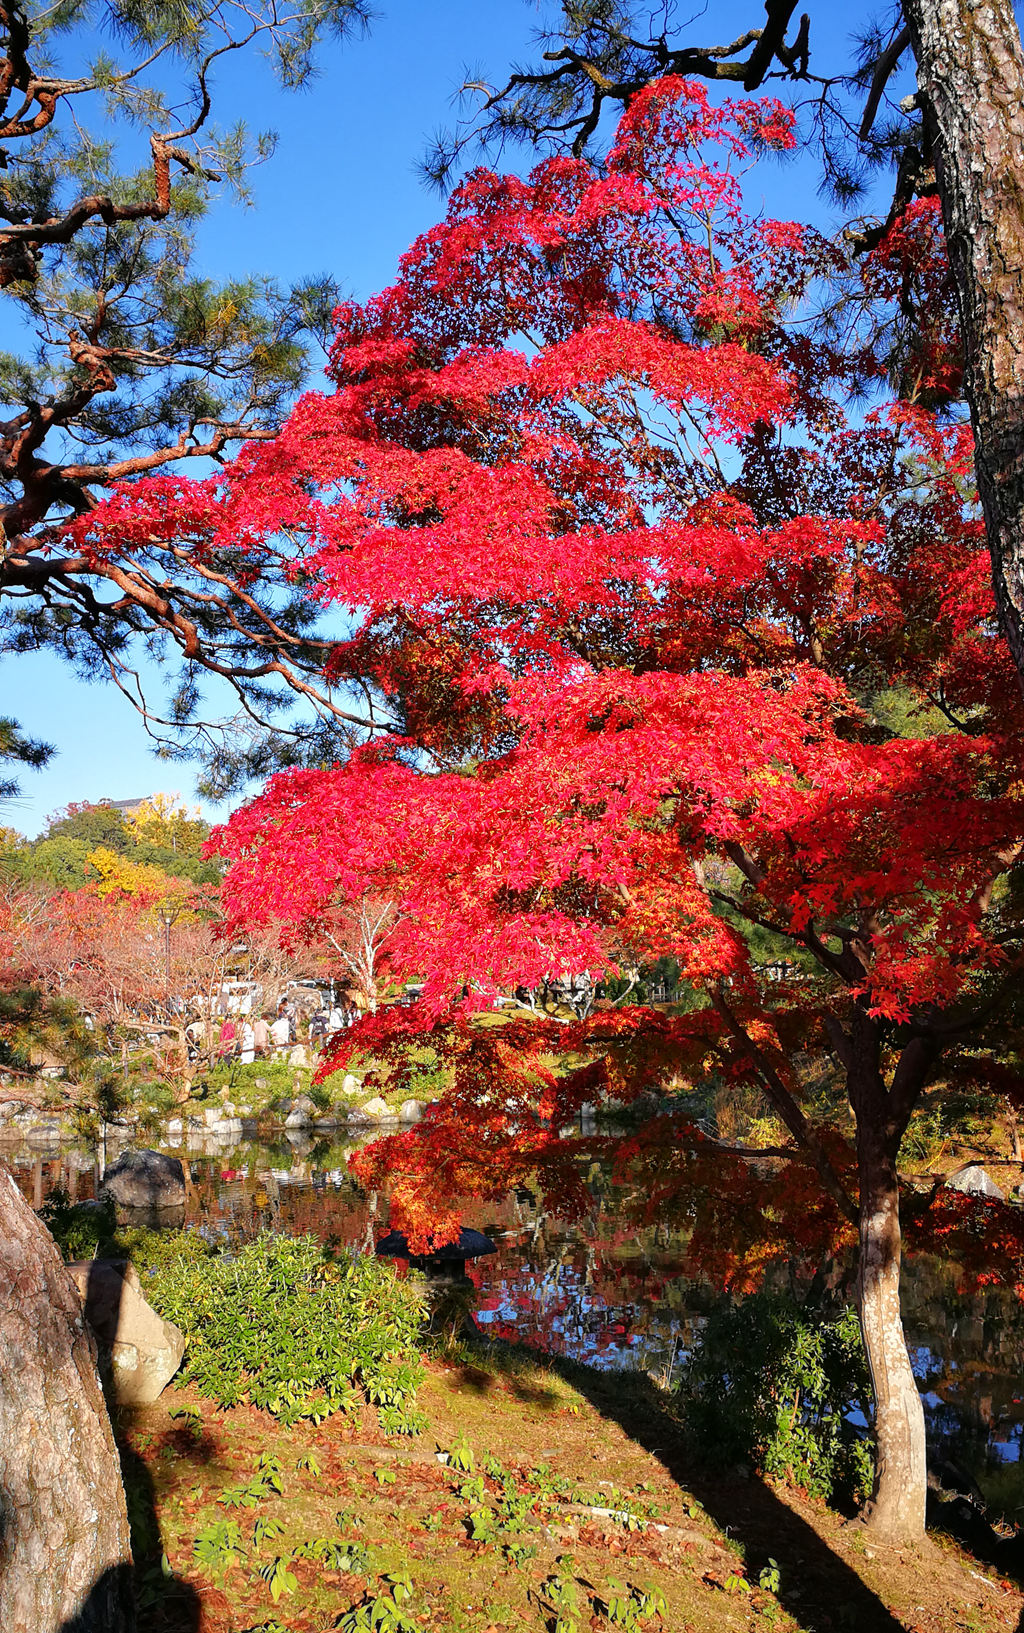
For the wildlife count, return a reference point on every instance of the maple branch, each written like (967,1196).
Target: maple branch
(841,964)
(786,1107)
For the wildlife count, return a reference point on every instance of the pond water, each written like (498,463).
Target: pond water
(600,1290)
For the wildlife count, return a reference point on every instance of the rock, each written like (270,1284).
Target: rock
(350,1084)
(9,1109)
(146,1179)
(44,1134)
(175,1126)
(299,1055)
(972,1180)
(411,1111)
(375,1110)
(139,1351)
(328,1123)
(301,1113)
(227,1127)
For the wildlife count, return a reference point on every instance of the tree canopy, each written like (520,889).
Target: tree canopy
(684,644)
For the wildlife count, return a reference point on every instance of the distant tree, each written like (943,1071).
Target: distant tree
(95,822)
(358,932)
(165,823)
(56,864)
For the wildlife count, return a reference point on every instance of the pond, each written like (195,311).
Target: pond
(601,1290)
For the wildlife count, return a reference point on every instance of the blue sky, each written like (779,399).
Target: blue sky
(341,195)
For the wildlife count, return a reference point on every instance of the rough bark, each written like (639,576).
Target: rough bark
(64,1549)
(971,77)
(897,1506)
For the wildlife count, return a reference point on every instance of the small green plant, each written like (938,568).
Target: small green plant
(519,1554)
(310,1465)
(279,1579)
(769,1578)
(628,1606)
(560,1597)
(219,1546)
(461,1456)
(265,1530)
(189,1414)
(734,1583)
(482,1525)
(433,1521)
(334,1556)
(385,1477)
(268,1481)
(382,1612)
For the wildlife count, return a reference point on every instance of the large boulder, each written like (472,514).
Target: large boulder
(146,1179)
(972,1180)
(410,1111)
(139,1352)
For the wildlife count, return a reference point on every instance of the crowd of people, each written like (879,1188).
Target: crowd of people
(269,1037)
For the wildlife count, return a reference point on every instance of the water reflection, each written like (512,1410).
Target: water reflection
(600,1290)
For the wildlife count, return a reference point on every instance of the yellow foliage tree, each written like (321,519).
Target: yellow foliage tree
(120,875)
(167,822)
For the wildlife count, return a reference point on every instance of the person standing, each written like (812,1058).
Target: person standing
(281,1033)
(247,1044)
(261,1035)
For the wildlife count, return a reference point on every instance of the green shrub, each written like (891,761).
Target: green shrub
(90,1231)
(771,1384)
(259,1082)
(78,1231)
(296,1331)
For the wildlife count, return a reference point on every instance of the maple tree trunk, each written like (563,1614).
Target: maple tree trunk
(65,1561)
(971,74)
(897,1506)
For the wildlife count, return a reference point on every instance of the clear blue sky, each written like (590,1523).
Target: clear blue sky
(341,195)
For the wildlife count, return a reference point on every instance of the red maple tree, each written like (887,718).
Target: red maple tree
(689,651)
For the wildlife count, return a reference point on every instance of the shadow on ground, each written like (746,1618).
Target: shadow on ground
(818,1587)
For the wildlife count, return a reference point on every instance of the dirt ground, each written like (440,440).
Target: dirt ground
(534,1494)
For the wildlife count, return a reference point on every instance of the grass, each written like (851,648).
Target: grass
(539,1491)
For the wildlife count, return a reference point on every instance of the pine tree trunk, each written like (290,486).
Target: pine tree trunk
(65,1562)
(897,1507)
(970,70)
